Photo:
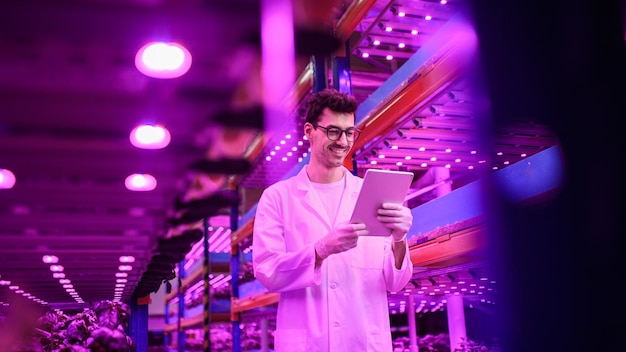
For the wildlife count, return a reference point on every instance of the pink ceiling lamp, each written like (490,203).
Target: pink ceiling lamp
(150,137)
(140,182)
(7,179)
(163,60)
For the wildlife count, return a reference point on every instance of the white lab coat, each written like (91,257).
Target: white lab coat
(341,306)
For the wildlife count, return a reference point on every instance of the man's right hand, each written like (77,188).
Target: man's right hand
(340,239)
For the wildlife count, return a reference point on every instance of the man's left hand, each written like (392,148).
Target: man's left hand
(396,217)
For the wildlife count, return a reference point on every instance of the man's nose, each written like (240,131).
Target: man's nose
(343,138)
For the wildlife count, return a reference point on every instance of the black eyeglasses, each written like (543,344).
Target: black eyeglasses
(334,133)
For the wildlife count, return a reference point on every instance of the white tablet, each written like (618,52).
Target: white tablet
(379,186)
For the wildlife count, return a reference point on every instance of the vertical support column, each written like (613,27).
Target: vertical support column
(207,287)
(181,308)
(320,73)
(166,335)
(138,325)
(342,77)
(234,273)
(441,174)
(412,326)
(456,320)
(265,343)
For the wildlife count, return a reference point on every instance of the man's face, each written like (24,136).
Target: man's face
(325,151)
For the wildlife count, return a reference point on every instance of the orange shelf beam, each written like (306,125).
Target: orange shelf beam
(352,17)
(262,300)
(452,249)
(244,231)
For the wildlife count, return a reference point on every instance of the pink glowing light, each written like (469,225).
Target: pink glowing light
(50,259)
(163,60)
(140,182)
(127,259)
(56,268)
(7,179)
(150,137)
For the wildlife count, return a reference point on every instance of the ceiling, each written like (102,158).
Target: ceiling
(70,95)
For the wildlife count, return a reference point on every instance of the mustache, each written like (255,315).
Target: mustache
(339,146)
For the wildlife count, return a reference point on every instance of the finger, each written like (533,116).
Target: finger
(394,206)
(357,226)
(389,219)
(386,212)
(363,232)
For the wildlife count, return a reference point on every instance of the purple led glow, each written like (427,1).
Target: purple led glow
(163,60)
(140,182)
(150,137)
(50,259)
(127,259)
(7,179)
(56,268)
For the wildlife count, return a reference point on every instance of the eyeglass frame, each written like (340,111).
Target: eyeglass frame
(341,132)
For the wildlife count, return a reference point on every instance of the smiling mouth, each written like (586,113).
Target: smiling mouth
(338,150)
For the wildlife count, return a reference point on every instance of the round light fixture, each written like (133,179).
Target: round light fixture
(150,137)
(7,179)
(163,60)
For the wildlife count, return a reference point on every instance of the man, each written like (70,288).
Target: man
(332,278)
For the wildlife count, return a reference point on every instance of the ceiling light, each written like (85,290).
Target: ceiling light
(150,137)
(125,268)
(140,182)
(7,179)
(50,259)
(56,268)
(163,60)
(127,259)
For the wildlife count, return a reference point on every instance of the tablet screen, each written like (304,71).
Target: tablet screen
(379,186)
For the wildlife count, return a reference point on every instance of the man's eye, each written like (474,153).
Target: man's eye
(334,131)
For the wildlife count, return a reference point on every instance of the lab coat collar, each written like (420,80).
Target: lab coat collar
(311,200)
(304,184)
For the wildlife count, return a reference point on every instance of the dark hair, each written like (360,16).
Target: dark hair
(329,98)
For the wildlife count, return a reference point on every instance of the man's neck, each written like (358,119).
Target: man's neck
(319,174)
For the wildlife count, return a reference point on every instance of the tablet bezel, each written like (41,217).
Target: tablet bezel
(380,186)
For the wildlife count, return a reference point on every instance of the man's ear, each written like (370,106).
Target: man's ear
(308,128)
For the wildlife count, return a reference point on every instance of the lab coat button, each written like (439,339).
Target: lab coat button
(336,324)
(333,285)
